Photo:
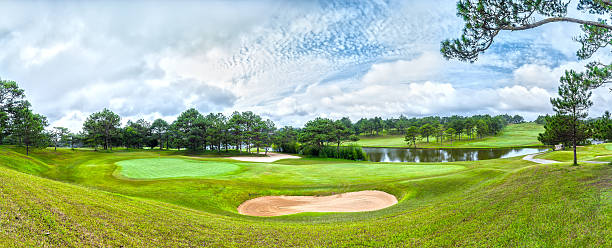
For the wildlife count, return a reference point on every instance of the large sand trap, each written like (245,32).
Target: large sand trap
(270,158)
(360,201)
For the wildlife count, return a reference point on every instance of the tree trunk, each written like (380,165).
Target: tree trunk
(574,137)
(27,150)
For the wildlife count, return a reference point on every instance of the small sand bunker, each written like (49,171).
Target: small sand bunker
(360,201)
(270,158)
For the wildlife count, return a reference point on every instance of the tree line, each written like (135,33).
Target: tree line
(399,126)
(559,129)
(191,130)
(246,131)
(240,131)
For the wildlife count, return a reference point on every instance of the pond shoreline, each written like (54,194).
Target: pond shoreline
(461,147)
(440,155)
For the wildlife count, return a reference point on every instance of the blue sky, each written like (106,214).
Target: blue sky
(289,61)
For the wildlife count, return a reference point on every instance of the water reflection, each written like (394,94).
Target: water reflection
(444,155)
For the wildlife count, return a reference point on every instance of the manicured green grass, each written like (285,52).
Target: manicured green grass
(153,168)
(586,153)
(514,135)
(74,198)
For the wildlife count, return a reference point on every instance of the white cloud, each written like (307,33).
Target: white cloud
(421,68)
(288,60)
(543,76)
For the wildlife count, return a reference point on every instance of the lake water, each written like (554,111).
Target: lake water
(444,155)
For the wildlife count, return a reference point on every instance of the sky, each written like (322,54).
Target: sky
(290,61)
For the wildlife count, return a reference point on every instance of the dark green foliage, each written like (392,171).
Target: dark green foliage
(464,125)
(574,100)
(602,128)
(411,134)
(558,130)
(59,136)
(350,152)
(286,140)
(189,125)
(317,133)
(160,130)
(101,128)
(29,128)
(12,99)
(541,119)
(450,133)
(138,135)
(426,131)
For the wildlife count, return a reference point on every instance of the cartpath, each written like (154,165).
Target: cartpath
(531,158)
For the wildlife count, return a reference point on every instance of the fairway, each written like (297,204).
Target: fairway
(154,168)
(437,203)
(514,135)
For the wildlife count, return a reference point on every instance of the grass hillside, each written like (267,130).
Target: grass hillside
(514,135)
(79,198)
(585,153)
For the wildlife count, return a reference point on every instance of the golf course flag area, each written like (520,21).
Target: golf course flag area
(153,168)
(333,123)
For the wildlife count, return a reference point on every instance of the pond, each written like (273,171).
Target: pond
(444,154)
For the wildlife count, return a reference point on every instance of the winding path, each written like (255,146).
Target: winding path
(531,158)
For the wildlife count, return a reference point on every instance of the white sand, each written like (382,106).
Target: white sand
(270,158)
(360,201)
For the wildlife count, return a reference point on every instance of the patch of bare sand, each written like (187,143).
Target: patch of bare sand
(360,201)
(270,158)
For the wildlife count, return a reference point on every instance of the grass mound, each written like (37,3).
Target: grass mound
(594,152)
(78,202)
(153,168)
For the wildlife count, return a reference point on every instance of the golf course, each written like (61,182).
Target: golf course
(172,198)
(334,123)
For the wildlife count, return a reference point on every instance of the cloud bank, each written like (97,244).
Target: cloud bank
(289,61)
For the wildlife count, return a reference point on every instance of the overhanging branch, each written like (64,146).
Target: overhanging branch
(556,19)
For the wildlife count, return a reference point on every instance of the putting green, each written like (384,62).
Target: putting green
(154,168)
(609,147)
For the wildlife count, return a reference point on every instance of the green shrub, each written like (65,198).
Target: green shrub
(351,152)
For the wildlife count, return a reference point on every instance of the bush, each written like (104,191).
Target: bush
(351,152)
(287,148)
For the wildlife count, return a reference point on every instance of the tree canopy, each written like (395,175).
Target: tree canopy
(485,19)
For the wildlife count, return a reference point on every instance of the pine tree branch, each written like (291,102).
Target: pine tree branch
(556,19)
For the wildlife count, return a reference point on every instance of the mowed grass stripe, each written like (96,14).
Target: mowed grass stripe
(155,168)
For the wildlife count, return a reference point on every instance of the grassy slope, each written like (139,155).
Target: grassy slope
(507,202)
(594,153)
(516,135)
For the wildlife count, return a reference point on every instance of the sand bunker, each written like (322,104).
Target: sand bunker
(360,201)
(270,158)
